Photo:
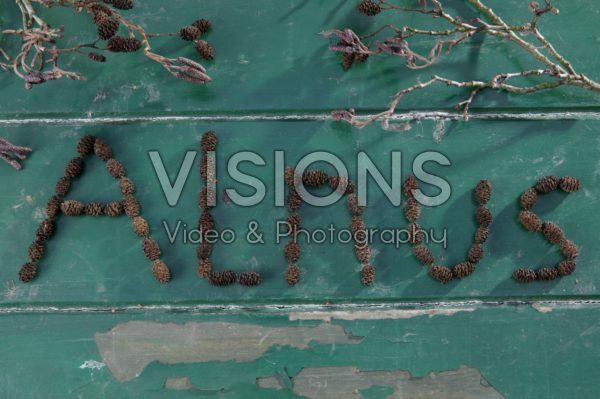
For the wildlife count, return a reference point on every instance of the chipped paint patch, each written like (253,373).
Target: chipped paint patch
(375,314)
(178,384)
(541,308)
(129,347)
(92,364)
(347,382)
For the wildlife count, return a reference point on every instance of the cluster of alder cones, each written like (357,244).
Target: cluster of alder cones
(443,274)
(365,7)
(552,232)
(206,224)
(108,22)
(317,178)
(129,205)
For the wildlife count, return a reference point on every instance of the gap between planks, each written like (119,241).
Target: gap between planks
(399,117)
(287,308)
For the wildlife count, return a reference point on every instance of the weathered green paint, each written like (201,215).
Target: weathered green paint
(270,60)
(99,261)
(520,351)
(269,57)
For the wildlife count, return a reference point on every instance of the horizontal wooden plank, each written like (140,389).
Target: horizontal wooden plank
(100,262)
(495,352)
(270,58)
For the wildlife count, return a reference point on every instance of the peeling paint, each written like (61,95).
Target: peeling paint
(92,364)
(178,384)
(375,315)
(347,382)
(541,308)
(129,347)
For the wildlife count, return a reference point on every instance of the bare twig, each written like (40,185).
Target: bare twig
(557,70)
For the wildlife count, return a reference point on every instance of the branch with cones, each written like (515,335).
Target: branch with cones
(37,58)
(554,68)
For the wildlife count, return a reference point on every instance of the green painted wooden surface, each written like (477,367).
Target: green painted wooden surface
(100,260)
(271,58)
(520,351)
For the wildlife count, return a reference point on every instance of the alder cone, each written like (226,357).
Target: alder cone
(208,142)
(409,185)
(566,267)
(415,234)
(131,206)
(28,272)
(357,224)
(151,249)
(475,253)
(423,255)
(122,4)
(481,235)
(463,269)
(363,254)
(206,222)
(63,185)
(528,199)
(72,208)
(367,275)
(483,192)
(126,186)
(97,57)
(85,146)
(353,207)
(441,274)
(524,275)
(569,249)
(119,44)
(530,221)
(102,150)
(203,25)
(52,207)
(250,279)
(37,249)
(293,222)
(347,61)
(569,184)
(335,181)
(294,200)
(140,226)
(74,168)
(314,178)
(99,12)
(368,8)
(483,216)
(107,28)
(546,184)
(161,272)
(553,233)
(547,274)
(45,230)
(204,250)
(292,251)
(189,33)
(223,278)
(115,168)
(412,210)
(292,274)
(289,175)
(113,209)
(94,209)
(205,50)
(204,268)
